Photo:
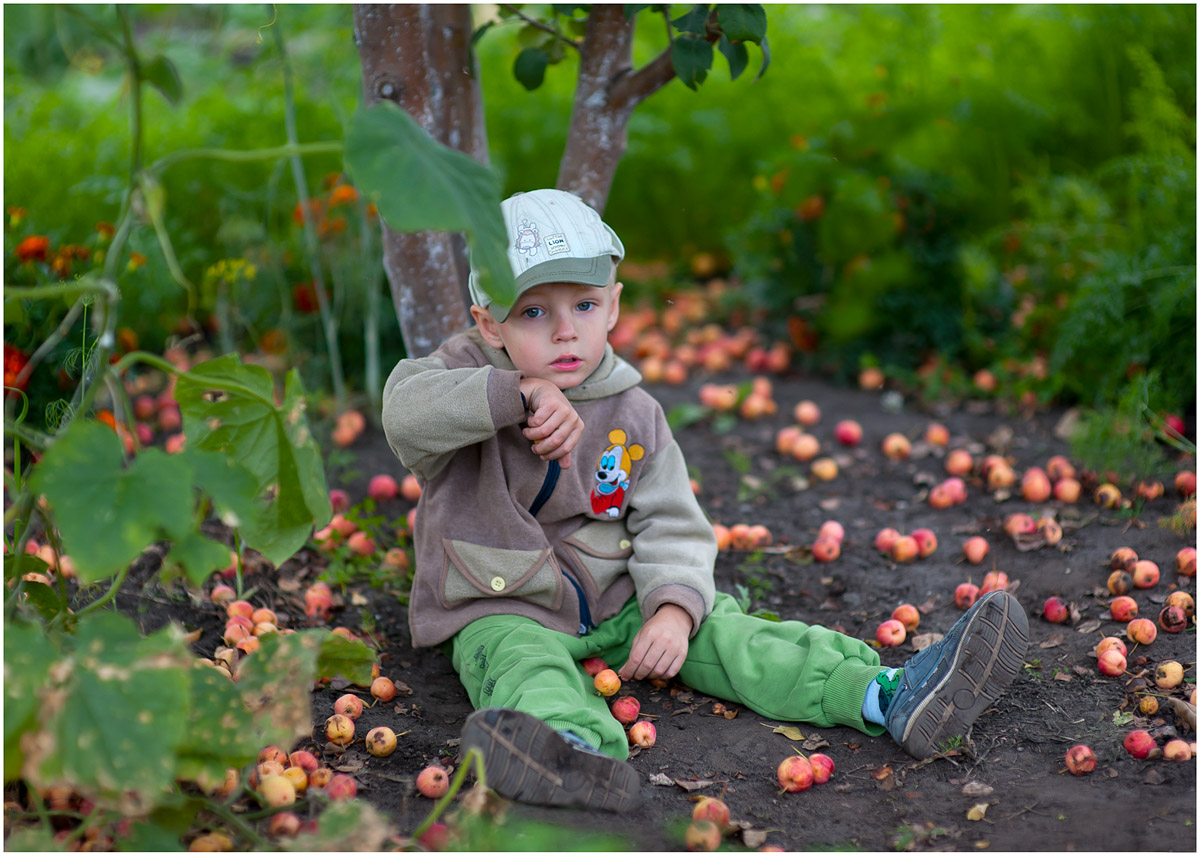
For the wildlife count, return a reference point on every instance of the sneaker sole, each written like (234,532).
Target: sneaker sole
(990,655)
(526,760)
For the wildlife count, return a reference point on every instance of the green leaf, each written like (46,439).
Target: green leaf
(198,556)
(162,830)
(479,34)
(688,413)
(275,684)
(45,599)
(352,826)
(347,658)
(32,839)
(161,73)
(692,57)
(420,184)
(14,312)
(230,408)
(736,55)
(25,563)
(742,22)
(110,715)
(693,21)
(766,52)
(529,68)
(219,732)
(107,513)
(632,9)
(231,486)
(28,656)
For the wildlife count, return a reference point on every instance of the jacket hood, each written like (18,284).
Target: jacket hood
(612,376)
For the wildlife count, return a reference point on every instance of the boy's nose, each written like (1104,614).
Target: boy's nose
(565,330)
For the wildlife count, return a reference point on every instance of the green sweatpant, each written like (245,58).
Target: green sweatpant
(788,671)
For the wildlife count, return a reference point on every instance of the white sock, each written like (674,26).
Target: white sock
(877,701)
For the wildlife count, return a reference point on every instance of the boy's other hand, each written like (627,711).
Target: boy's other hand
(553,425)
(660,647)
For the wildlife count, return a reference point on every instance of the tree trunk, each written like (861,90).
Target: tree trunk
(418,56)
(605,97)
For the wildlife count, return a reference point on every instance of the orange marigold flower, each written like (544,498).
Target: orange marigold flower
(106,229)
(106,416)
(328,228)
(314,211)
(60,265)
(16,215)
(127,340)
(274,341)
(331,179)
(33,248)
(14,360)
(136,260)
(372,211)
(343,194)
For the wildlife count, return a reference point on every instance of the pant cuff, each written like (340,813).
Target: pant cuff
(845,690)
(590,736)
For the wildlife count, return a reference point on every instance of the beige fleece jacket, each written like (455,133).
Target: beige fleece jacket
(500,531)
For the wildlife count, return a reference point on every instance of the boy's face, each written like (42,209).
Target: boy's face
(556,331)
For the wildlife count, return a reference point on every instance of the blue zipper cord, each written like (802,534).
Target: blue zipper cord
(552,474)
(585,614)
(547,488)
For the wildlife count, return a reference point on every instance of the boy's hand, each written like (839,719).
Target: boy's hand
(660,647)
(553,425)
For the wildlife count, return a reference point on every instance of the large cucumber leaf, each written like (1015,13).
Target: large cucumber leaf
(230,408)
(106,512)
(27,661)
(418,184)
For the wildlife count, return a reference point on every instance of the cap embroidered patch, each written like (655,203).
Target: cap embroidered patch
(526,242)
(556,244)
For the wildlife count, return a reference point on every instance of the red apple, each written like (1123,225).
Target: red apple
(1139,743)
(905,549)
(1111,643)
(896,447)
(1123,558)
(1055,610)
(713,809)
(1185,562)
(1172,619)
(1141,630)
(410,488)
(807,413)
(890,633)
(940,497)
(959,462)
(1145,574)
(625,709)
(1081,760)
(795,773)
(702,836)
(965,595)
(1185,483)
(937,434)
(822,767)
(593,666)
(885,539)
(433,782)
(1019,524)
(642,734)
(1035,485)
(1059,468)
(1177,750)
(994,581)
(382,488)
(926,542)
(833,530)
(1123,608)
(848,432)
(1067,490)
(826,549)
(908,615)
(1112,663)
(1119,583)
(975,549)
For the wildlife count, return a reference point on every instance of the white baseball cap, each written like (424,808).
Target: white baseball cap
(553,236)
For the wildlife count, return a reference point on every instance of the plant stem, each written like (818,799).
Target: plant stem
(244,829)
(372,370)
(473,755)
(329,322)
(108,595)
(331,147)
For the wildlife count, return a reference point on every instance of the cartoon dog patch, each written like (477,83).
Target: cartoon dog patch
(612,474)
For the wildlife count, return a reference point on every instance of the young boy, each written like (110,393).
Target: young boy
(557,523)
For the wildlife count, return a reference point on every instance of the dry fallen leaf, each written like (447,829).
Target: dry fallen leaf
(1089,626)
(1054,641)
(882,773)
(1063,676)
(923,640)
(690,785)
(977,789)
(791,732)
(754,838)
(977,811)
(814,742)
(1185,711)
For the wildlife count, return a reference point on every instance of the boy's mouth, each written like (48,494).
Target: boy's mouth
(567,363)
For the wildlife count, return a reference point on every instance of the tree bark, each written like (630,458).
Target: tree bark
(606,94)
(418,56)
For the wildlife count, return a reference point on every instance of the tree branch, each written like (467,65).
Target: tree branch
(538,24)
(629,90)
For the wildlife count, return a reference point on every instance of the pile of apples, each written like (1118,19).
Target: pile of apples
(626,709)
(901,548)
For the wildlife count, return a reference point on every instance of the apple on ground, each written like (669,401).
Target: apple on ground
(890,633)
(1081,760)
(965,595)
(433,782)
(795,773)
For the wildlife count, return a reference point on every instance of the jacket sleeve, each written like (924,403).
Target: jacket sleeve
(674,548)
(432,409)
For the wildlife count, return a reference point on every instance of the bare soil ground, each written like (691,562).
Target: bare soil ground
(879,798)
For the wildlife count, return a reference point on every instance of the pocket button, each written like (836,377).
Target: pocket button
(497,583)
(624,543)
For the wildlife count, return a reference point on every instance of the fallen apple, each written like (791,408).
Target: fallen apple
(1177,750)
(712,809)
(383,689)
(905,549)
(1112,663)
(1123,608)
(1168,675)
(1185,563)
(1184,601)
(795,773)
(908,615)
(926,542)
(1119,583)
(890,633)
(1142,631)
(1111,643)
(381,741)
(1139,743)
(1055,610)
(959,462)
(1067,490)
(825,469)
(410,488)
(848,432)
(1145,574)
(822,766)
(606,682)
(826,549)
(965,595)
(1172,619)
(1059,468)
(702,836)
(382,488)
(1019,523)
(625,709)
(593,666)
(975,549)
(339,730)
(807,413)
(275,791)
(896,447)
(1035,485)
(642,734)
(993,581)
(937,434)
(341,787)
(1081,760)
(1108,495)
(833,530)
(885,539)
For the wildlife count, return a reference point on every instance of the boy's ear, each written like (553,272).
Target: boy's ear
(488,326)
(614,311)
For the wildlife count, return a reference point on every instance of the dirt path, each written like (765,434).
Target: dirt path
(879,798)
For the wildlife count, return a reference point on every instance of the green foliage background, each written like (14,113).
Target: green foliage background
(1040,154)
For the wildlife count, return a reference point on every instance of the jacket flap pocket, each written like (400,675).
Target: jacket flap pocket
(472,571)
(603,539)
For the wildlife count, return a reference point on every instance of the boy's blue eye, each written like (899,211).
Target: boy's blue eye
(586,305)
(532,312)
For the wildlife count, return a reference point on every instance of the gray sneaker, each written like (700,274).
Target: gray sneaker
(945,687)
(526,760)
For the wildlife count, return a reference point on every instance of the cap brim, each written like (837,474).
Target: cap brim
(594,271)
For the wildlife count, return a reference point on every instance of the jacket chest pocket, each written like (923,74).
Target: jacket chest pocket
(602,549)
(471,571)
